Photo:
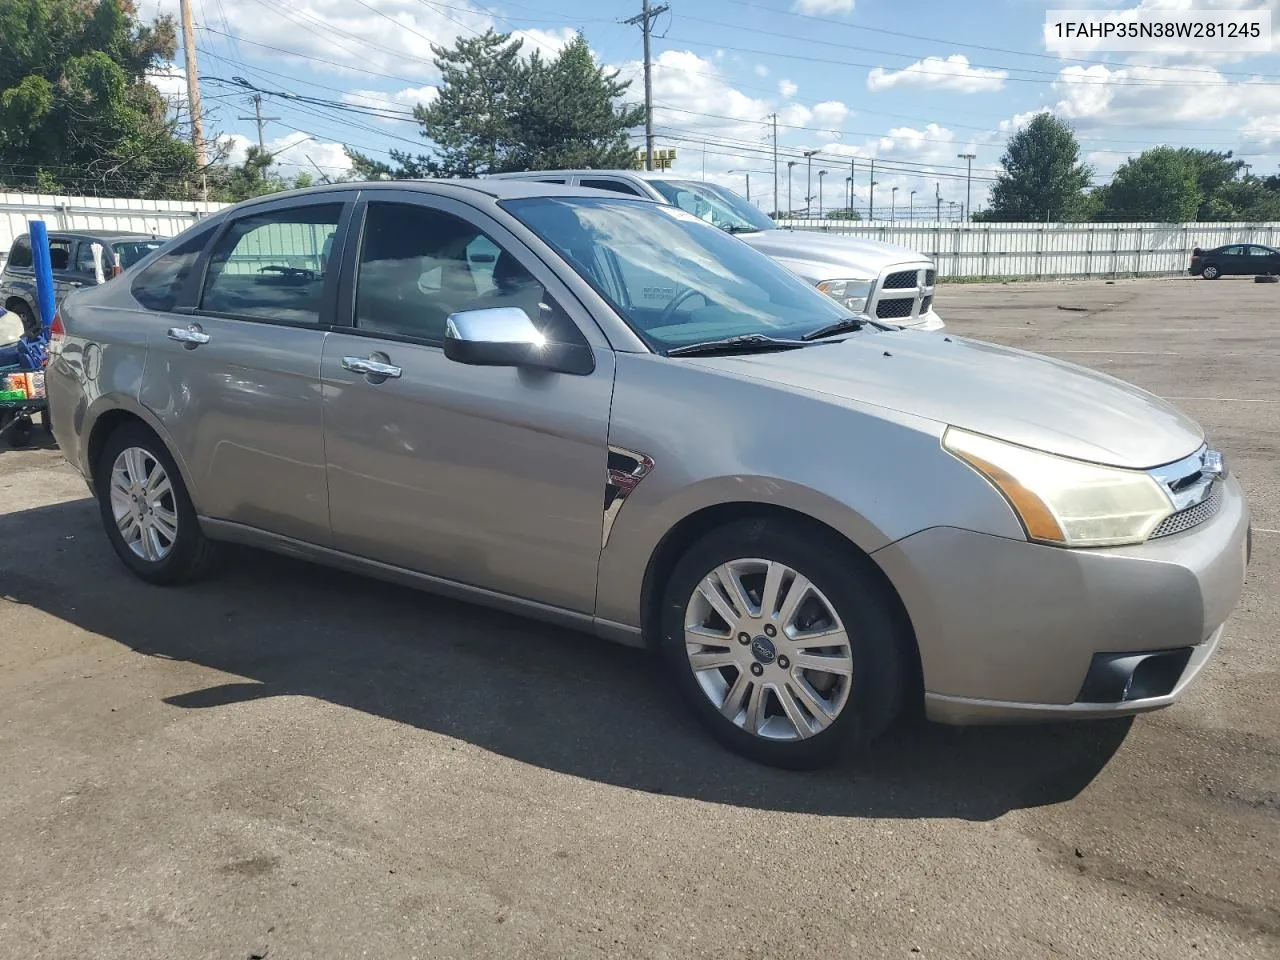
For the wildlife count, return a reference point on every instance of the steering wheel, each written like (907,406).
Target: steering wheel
(297,272)
(675,303)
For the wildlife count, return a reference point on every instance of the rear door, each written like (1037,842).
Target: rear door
(488,476)
(1231,260)
(234,374)
(62,259)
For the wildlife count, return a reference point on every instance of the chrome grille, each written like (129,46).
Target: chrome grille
(901,280)
(1191,516)
(894,309)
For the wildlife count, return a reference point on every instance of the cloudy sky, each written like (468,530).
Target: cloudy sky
(908,83)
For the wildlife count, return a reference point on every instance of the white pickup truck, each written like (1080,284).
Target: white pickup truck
(877,280)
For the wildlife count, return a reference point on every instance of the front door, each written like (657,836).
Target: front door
(236,378)
(488,476)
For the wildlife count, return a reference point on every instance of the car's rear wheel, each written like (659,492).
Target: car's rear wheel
(146,510)
(1211,272)
(783,642)
(29,322)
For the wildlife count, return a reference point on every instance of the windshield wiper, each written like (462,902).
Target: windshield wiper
(843,325)
(738,228)
(746,343)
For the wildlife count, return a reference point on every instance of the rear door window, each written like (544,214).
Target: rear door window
(158,285)
(60,254)
(272,265)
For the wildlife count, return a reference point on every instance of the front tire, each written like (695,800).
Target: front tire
(147,513)
(1211,272)
(783,642)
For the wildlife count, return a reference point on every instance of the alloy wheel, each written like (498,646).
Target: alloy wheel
(768,649)
(143,504)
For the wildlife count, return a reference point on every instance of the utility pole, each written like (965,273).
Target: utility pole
(193,81)
(937,192)
(259,119)
(644,19)
(968,158)
(775,164)
(871,211)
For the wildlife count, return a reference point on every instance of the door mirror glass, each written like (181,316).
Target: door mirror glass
(508,337)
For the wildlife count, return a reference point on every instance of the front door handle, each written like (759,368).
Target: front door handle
(190,337)
(370,367)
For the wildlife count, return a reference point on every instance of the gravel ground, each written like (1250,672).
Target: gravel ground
(290,762)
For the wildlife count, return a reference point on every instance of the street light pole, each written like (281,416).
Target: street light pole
(790,207)
(848,182)
(968,179)
(821,174)
(871,212)
(893,204)
(808,182)
(911,206)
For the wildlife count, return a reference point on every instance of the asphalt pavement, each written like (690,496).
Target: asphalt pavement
(292,762)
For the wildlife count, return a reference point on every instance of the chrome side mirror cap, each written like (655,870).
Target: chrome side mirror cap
(508,337)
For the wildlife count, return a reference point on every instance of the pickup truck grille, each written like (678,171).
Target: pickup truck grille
(895,309)
(903,279)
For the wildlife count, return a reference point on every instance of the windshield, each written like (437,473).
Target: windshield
(130,252)
(672,277)
(714,204)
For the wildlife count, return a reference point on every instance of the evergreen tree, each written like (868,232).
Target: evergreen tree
(569,117)
(1043,178)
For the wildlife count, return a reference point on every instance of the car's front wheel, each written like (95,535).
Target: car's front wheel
(148,515)
(1211,272)
(783,642)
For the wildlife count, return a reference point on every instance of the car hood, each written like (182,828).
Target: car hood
(1020,397)
(824,256)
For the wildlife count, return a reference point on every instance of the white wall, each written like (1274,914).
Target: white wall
(1052,249)
(164,218)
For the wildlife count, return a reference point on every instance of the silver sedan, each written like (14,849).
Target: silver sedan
(608,414)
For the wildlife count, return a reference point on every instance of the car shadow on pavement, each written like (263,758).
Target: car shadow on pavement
(542,695)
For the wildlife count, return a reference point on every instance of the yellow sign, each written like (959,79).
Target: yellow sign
(662,159)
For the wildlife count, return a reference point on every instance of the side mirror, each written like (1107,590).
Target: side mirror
(506,337)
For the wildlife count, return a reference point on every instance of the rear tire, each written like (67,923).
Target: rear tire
(754,696)
(29,322)
(146,510)
(1211,272)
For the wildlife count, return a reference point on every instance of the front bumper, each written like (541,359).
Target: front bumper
(1013,631)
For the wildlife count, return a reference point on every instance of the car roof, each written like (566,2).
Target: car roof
(95,235)
(638,174)
(494,187)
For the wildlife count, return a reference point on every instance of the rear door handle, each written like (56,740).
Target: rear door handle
(370,367)
(191,336)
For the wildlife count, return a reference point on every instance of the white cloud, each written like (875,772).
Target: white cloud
(935,73)
(1263,130)
(171,81)
(1097,96)
(823,6)
(546,42)
(693,97)
(295,153)
(787,88)
(393,103)
(830,113)
(761,70)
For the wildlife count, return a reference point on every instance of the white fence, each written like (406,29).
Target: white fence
(164,218)
(1050,250)
(960,249)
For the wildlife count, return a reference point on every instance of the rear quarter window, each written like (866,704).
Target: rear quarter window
(20,255)
(158,285)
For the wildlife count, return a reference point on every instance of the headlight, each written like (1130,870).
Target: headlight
(1066,502)
(852,293)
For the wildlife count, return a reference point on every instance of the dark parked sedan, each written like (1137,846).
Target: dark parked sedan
(1237,259)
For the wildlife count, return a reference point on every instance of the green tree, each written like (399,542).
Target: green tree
(570,117)
(1043,178)
(255,177)
(1157,185)
(1214,171)
(498,111)
(844,213)
(76,111)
